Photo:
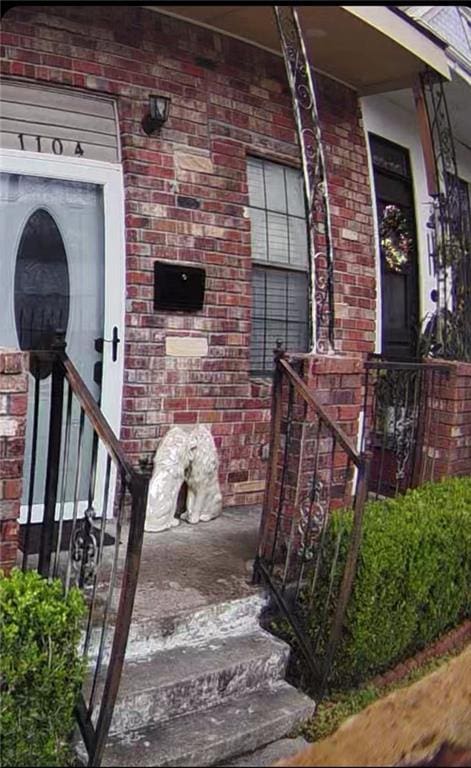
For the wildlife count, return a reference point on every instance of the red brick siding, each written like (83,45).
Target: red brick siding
(311,453)
(351,217)
(447,449)
(241,105)
(13,406)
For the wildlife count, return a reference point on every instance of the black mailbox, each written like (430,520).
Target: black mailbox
(178,287)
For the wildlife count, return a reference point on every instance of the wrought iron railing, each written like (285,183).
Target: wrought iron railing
(448,331)
(402,402)
(313,470)
(84,510)
(301,82)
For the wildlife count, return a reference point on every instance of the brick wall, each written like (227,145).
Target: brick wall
(308,452)
(186,198)
(13,406)
(447,449)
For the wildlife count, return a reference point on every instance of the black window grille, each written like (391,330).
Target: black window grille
(461,207)
(280,262)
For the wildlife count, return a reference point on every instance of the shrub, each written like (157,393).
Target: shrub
(413,578)
(40,669)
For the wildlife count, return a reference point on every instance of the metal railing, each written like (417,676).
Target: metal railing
(448,332)
(301,82)
(313,470)
(84,508)
(402,401)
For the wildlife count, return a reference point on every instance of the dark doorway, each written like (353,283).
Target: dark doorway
(398,248)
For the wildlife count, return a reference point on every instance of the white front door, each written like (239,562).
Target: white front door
(61,222)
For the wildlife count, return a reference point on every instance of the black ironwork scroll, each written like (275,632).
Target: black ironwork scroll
(449,331)
(301,83)
(401,402)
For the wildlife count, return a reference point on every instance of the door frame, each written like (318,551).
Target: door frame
(110,177)
(417,273)
(398,123)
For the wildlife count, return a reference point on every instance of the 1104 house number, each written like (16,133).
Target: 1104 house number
(46,144)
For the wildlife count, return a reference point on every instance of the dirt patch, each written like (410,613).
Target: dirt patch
(412,726)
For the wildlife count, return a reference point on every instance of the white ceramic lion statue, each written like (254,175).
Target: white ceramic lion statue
(184,455)
(204,498)
(170,463)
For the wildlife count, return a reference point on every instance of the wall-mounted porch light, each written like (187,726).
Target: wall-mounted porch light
(157,115)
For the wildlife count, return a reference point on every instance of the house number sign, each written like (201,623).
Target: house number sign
(67,123)
(48,144)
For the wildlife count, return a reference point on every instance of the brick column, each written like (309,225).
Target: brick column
(447,443)
(337,384)
(13,408)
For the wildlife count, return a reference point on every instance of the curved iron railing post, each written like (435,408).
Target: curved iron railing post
(94,487)
(301,83)
(450,235)
(139,487)
(275,435)
(349,573)
(293,542)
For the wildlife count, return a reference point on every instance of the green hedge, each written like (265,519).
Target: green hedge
(40,669)
(413,580)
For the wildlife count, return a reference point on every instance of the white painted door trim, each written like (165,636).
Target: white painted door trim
(110,177)
(394,123)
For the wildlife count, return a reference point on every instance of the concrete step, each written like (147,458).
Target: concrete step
(186,679)
(215,735)
(269,755)
(148,636)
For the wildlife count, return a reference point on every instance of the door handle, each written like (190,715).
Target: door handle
(114,341)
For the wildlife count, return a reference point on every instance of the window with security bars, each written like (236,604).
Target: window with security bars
(280,262)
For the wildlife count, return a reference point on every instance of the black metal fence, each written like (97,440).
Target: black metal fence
(401,407)
(313,470)
(84,523)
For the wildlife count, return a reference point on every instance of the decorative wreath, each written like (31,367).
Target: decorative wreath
(396,242)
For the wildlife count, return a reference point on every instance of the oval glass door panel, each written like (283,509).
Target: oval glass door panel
(52,278)
(42,285)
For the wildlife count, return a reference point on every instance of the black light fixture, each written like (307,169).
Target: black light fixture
(157,114)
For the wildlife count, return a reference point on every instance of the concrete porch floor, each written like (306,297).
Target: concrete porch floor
(193,566)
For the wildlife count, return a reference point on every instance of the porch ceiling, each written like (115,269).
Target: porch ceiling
(370,48)
(459,107)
